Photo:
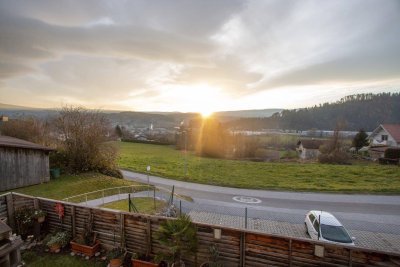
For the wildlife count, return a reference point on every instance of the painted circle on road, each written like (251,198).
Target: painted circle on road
(247,200)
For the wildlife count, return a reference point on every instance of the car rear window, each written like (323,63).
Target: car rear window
(335,233)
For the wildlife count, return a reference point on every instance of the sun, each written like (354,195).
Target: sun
(206,113)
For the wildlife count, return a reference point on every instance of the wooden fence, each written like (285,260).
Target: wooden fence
(237,247)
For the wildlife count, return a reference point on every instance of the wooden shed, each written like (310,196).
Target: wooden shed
(22,163)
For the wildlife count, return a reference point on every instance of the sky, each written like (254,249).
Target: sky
(201,56)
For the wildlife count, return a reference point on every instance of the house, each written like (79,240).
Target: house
(309,148)
(383,137)
(386,135)
(22,163)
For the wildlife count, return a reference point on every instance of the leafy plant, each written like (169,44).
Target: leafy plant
(23,218)
(179,237)
(60,238)
(116,253)
(214,255)
(88,237)
(38,213)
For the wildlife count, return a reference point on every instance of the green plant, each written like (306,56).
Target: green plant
(60,238)
(23,218)
(88,238)
(214,255)
(38,213)
(116,253)
(179,237)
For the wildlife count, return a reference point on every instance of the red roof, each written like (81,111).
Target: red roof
(393,130)
(7,141)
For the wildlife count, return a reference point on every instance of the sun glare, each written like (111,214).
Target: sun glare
(200,98)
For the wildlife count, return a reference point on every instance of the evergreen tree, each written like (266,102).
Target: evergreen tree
(360,139)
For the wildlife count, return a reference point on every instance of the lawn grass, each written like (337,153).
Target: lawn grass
(143,204)
(69,185)
(35,259)
(165,161)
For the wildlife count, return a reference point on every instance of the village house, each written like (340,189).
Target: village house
(22,163)
(309,148)
(383,137)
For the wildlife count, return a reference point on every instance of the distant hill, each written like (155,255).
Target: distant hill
(14,107)
(254,113)
(362,111)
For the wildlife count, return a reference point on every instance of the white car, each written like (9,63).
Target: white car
(323,226)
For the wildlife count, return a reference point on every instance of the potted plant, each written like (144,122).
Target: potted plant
(141,260)
(213,259)
(115,256)
(39,215)
(58,241)
(179,236)
(86,243)
(24,221)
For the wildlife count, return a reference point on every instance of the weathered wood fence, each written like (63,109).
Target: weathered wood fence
(237,247)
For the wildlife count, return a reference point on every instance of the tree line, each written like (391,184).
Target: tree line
(360,111)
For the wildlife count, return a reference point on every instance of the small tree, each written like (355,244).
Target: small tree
(83,134)
(332,152)
(118,131)
(360,139)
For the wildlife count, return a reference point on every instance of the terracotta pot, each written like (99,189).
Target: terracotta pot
(86,250)
(115,263)
(40,219)
(140,263)
(55,247)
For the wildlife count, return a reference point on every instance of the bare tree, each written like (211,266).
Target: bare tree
(27,128)
(82,138)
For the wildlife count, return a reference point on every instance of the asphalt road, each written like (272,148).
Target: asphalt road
(374,213)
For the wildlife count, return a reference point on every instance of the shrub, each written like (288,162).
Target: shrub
(392,153)
(335,157)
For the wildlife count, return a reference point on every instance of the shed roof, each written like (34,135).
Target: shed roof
(311,143)
(7,141)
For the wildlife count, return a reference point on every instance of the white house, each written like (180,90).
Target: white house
(309,149)
(385,135)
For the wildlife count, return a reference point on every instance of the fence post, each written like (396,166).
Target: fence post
(10,211)
(242,259)
(148,231)
(103,197)
(119,193)
(73,223)
(86,199)
(129,202)
(180,207)
(154,198)
(290,252)
(245,217)
(122,229)
(36,226)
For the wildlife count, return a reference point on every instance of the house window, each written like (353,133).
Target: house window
(384,137)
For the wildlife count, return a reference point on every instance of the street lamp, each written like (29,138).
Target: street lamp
(148,181)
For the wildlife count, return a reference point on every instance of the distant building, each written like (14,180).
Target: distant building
(383,137)
(309,148)
(22,163)
(386,135)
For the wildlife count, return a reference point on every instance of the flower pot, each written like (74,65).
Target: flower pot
(84,249)
(140,263)
(54,247)
(115,263)
(40,219)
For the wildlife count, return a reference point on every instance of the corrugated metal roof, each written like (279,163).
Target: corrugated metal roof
(7,141)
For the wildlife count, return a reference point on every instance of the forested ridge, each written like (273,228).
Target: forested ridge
(361,111)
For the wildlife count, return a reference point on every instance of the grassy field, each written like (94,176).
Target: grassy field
(69,185)
(143,204)
(167,162)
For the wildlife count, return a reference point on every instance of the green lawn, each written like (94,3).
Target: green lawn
(143,204)
(167,162)
(69,185)
(40,259)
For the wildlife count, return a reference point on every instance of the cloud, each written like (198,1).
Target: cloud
(115,51)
